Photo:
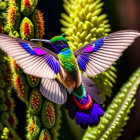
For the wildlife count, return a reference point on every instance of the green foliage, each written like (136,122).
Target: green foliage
(45,135)
(32,80)
(116,115)
(8,120)
(13,17)
(33,127)
(3,15)
(23,20)
(21,87)
(48,114)
(28,6)
(5,133)
(38,21)
(57,125)
(26,29)
(35,101)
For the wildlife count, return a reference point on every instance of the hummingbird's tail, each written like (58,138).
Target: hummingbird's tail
(86,111)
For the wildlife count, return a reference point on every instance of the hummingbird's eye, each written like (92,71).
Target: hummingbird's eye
(60,42)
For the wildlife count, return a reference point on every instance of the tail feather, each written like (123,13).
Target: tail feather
(84,117)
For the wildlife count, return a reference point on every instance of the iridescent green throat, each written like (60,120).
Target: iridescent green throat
(68,61)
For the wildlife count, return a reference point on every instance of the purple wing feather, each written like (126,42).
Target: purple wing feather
(97,56)
(83,57)
(88,49)
(33,59)
(39,51)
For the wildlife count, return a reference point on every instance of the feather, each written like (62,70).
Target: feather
(53,90)
(91,89)
(104,51)
(33,59)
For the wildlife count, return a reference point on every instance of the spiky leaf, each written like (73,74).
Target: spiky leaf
(116,115)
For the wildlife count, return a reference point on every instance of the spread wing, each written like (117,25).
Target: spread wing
(97,56)
(33,59)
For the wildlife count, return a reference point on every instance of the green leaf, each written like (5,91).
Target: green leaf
(116,115)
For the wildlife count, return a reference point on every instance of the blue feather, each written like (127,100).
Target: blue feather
(27,48)
(98,44)
(82,61)
(94,116)
(81,64)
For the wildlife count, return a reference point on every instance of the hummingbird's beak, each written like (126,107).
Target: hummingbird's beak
(42,40)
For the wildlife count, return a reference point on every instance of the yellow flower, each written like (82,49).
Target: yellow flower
(83,22)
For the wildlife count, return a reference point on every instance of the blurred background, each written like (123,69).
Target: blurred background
(122,14)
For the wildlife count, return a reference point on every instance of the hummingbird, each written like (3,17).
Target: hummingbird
(65,74)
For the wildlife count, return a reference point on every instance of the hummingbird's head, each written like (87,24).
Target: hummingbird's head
(59,43)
